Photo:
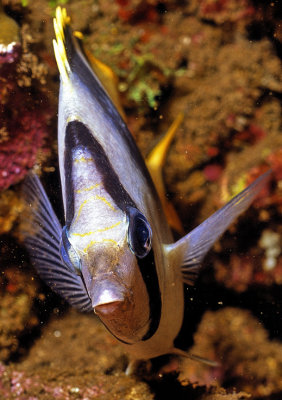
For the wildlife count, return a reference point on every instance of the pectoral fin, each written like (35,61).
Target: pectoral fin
(193,247)
(42,235)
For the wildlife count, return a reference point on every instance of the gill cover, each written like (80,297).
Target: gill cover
(68,253)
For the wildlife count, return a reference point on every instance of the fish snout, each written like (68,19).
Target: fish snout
(106,309)
(121,309)
(108,298)
(114,305)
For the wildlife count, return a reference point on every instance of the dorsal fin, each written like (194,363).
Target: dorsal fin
(67,42)
(60,22)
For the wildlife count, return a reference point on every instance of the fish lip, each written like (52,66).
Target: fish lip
(109,308)
(106,290)
(106,297)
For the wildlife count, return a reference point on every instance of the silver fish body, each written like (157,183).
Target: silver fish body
(115,254)
(107,190)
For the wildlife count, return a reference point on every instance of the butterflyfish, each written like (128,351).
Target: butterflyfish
(115,254)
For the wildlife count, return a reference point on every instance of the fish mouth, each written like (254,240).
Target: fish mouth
(109,308)
(112,302)
(106,293)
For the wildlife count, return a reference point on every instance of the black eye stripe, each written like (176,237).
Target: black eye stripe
(149,273)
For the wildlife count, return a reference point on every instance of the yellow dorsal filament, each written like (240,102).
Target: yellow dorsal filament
(60,22)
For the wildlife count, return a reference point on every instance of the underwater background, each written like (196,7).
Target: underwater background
(219,63)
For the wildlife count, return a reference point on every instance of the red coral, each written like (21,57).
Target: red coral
(267,195)
(212,172)
(18,153)
(251,135)
(221,11)
(212,151)
(18,385)
(24,117)
(275,161)
(143,12)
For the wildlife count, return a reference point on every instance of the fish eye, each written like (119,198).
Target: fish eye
(139,233)
(68,254)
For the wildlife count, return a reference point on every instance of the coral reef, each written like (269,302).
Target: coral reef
(217,61)
(43,374)
(96,361)
(24,110)
(10,208)
(249,360)
(18,288)
(10,46)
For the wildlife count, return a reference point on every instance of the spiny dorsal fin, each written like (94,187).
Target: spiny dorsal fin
(67,43)
(60,22)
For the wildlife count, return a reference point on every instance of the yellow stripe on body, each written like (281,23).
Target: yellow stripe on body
(87,189)
(100,241)
(103,199)
(97,231)
(83,159)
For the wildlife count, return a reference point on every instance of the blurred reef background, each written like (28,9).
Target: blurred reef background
(219,63)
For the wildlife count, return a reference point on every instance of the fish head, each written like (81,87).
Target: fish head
(111,273)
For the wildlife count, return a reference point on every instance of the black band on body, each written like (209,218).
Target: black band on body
(149,273)
(79,136)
